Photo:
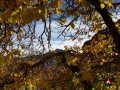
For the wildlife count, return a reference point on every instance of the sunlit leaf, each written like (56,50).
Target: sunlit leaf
(1,20)
(102,6)
(59,3)
(76,81)
(72,25)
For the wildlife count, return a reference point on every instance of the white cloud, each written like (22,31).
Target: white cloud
(55,41)
(60,45)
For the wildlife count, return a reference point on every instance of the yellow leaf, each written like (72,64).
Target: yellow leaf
(5,15)
(87,6)
(116,54)
(22,46)
(110,5)
(46,12)
(86,18)
(21,73)
(11,3)
(18,3)
(69,63)
(13,13)
(17,52)
(20,7)
(101,63)
(59,3)
(72,25)
(15,74)
(81,1)
(11,44)
(15,17)
(28,16)
(76,80)
(19,31)
(74,60)
(38,13)
(10,57)
(1,20)
(96,31)
(2,6)
(26,1)
(87,75)
(102,6)
(56,10)
(45,1)
(63,21)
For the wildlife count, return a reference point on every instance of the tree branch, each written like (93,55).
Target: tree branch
(115,4)
(108,21)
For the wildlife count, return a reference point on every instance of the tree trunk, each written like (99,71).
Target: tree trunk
(108,21)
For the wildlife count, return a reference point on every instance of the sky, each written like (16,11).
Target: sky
(56,42)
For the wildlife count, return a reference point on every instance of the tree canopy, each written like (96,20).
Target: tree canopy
(74,67)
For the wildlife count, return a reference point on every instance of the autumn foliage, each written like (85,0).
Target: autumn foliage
(77,67)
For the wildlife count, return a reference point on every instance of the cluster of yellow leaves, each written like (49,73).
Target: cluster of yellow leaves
(72,60)
(7,57)
(22,14)
(56,6)
(26,14)
(101,43)
(86,76)
(106,3)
